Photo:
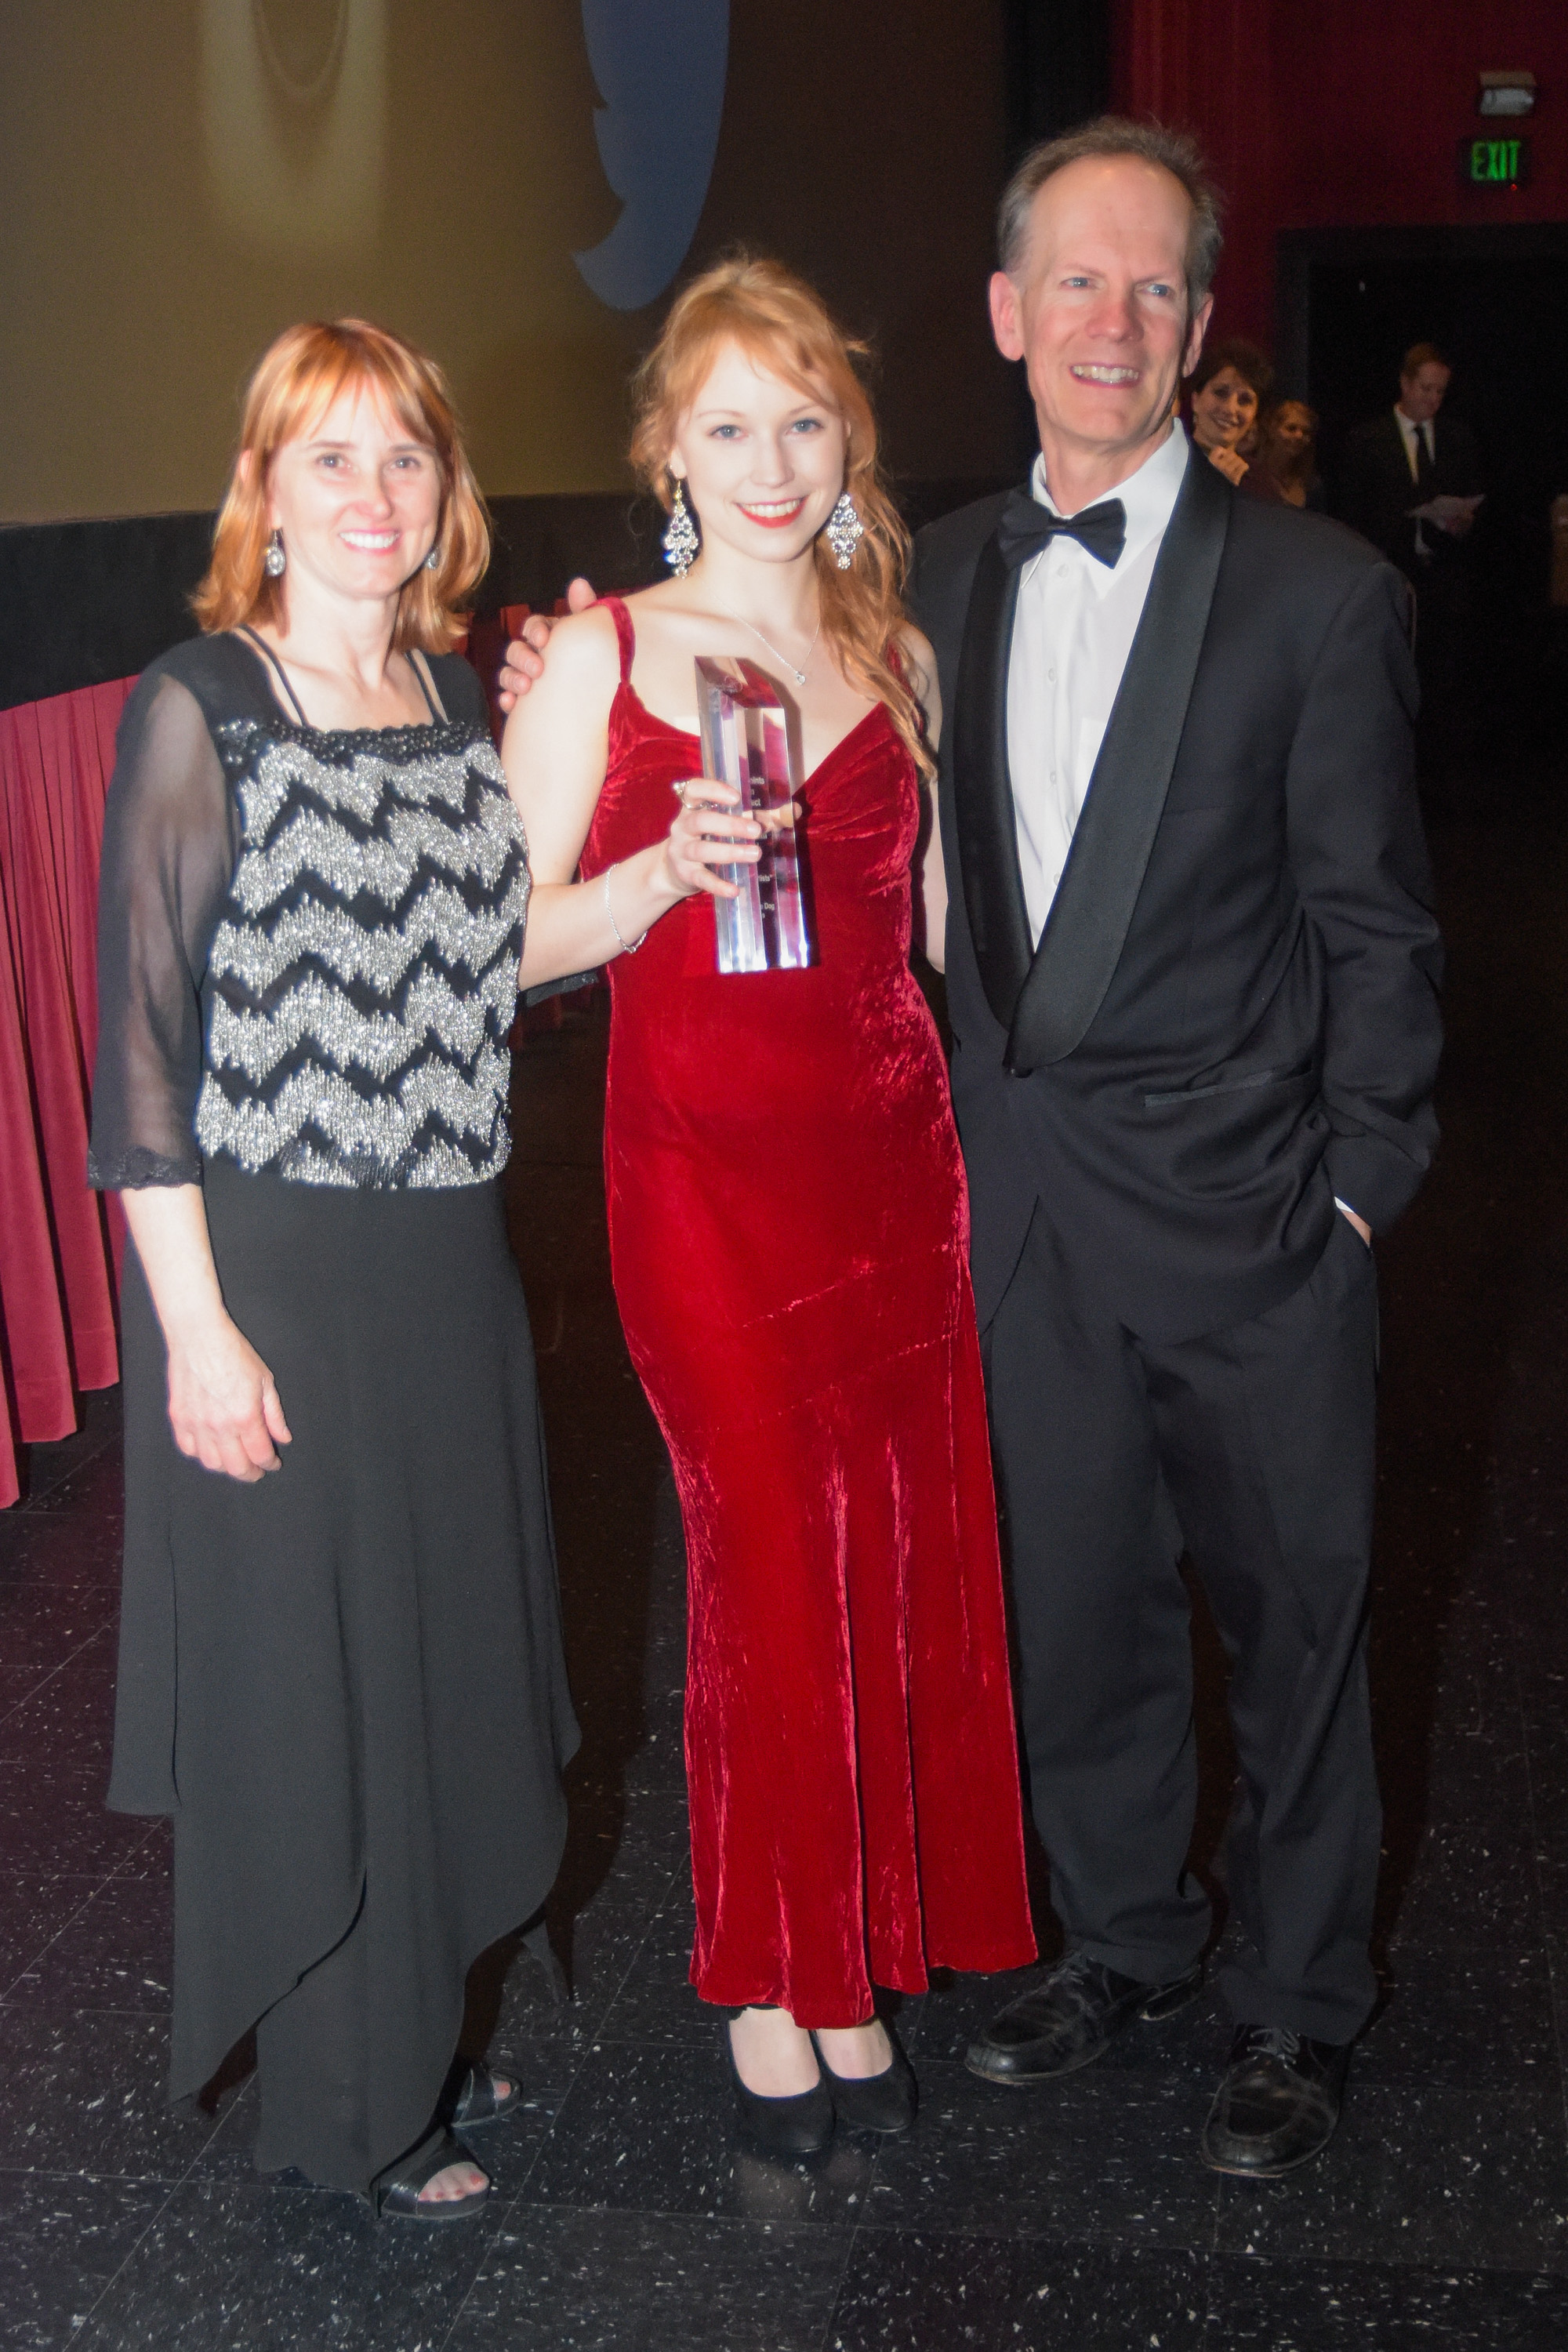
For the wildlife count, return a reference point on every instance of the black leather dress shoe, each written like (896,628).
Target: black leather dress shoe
(1278,2102)
(1069,2018)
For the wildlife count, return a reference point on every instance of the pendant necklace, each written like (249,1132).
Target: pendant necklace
(798,675)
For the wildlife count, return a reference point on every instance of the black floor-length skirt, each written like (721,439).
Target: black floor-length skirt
(346,1682)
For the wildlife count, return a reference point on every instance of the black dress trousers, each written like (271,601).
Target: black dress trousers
(1253,1447)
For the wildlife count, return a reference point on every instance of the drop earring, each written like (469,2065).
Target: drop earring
(680,539)
(275,558)
(845,530)
(432,561)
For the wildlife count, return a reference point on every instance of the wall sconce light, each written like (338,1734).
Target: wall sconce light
(1506,93)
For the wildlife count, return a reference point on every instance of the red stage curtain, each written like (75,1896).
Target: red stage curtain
(56,1249)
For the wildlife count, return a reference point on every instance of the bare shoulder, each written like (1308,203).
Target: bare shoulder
(585,647)
(919,662)
(571,700)
(917,649)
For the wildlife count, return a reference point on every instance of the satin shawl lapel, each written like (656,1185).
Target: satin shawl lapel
(984,817)
(1087,929)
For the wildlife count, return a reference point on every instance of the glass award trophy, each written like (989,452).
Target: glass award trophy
(745,742)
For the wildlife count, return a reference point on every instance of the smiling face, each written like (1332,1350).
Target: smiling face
(357,499)
(1224,411)
(762,461)
(1098,310)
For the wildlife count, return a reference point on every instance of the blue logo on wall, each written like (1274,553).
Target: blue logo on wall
(659,65)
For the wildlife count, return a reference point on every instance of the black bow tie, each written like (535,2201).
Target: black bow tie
(1026,526)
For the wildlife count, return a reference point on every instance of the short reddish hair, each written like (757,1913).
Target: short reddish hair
(295,384)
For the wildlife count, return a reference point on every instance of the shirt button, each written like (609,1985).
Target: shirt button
(1052,676)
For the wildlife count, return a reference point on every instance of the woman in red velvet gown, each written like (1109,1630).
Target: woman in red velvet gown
(789,1226)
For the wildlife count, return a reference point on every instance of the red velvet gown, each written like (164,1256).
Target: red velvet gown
(789,1235)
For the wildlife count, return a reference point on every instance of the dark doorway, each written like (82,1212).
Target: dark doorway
(1495,300)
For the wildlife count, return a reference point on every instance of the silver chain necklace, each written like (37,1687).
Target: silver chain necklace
(798,675)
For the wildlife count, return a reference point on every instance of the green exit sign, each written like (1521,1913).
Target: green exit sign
(1494,162)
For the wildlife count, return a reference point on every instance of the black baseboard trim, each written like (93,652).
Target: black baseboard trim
(82,603)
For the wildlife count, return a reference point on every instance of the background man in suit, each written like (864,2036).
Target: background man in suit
(1404,458)
(1192,978)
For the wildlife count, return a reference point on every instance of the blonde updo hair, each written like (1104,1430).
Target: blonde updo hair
(782,324)
(295,384)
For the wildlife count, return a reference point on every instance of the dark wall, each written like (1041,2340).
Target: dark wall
(1058,67)
(81,602)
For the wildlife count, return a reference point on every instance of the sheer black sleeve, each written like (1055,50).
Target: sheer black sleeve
(170,841)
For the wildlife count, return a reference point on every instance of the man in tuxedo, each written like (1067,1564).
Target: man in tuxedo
(1191,972)
(1401,460)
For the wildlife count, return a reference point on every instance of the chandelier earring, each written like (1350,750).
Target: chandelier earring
(680,539)
(275,560)
(845,530)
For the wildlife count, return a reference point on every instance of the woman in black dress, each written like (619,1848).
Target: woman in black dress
(340,1668)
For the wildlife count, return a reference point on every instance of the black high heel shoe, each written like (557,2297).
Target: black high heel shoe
(790,2128)
(884,2102)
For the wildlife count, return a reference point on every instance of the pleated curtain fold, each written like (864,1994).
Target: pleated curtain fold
(58,1240)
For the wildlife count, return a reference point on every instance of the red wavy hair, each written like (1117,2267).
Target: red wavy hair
(295,384)
(784,325)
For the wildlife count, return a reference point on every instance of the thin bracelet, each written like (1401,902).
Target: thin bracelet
(629,946)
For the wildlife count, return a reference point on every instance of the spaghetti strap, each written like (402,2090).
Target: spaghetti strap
(625,636)
(416,663)
(265,650)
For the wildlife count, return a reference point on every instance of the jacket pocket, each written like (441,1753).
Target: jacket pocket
(1276,1078)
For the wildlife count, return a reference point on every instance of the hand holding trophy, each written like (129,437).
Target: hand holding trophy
(745,744)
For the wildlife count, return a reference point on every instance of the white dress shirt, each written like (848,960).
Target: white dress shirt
(1071,635)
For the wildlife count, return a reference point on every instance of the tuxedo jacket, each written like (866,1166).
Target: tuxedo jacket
(1231,1015)
(1377,491)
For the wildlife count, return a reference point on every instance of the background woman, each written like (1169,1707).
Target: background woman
(340,1668)
(788,1220)
(1288,449)
(1229,386)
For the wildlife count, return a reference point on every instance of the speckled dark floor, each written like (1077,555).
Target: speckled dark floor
(1054,2222)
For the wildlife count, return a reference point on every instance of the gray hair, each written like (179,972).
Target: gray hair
(1175,151)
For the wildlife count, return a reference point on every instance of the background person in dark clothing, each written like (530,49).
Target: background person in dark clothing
(1288,448)
(1227,388)
(1402,460)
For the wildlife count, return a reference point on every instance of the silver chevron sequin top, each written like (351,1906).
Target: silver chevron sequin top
(310,941)
(364,967)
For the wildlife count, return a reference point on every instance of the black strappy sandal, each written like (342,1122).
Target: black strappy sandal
(396,2191)
(475,2100)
